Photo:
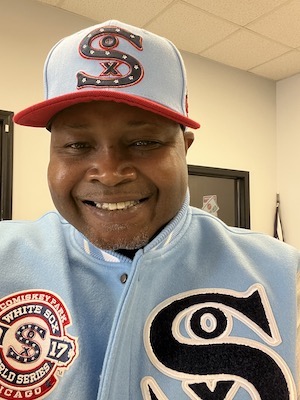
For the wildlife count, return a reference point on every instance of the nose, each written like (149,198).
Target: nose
(111,167)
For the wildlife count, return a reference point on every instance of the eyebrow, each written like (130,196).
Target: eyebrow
(75,125)
(131,123)
(140,123)
(68,125)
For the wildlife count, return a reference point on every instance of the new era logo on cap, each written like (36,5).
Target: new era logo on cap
(113,61)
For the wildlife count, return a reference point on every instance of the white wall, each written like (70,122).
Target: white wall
(288,144)
(28,30)
(237,111)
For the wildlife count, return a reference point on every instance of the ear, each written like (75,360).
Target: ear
(188,137)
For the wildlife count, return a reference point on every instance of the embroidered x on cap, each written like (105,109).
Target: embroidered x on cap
(113,61)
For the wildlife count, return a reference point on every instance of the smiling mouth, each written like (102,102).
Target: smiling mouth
(123,205)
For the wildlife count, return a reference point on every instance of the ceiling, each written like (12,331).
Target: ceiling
(258,36)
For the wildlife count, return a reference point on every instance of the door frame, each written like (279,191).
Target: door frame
(6,164)
(241,185)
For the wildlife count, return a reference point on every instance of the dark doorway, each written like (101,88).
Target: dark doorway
(221,192)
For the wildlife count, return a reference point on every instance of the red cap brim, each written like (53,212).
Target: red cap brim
(40,114)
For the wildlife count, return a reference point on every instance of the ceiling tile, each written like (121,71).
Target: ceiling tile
(244,49)
(286,65)
(241,12)
(281,25)
(212,28)
(129,11)
(190,28)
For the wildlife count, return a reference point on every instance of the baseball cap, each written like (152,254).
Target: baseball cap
(113,61)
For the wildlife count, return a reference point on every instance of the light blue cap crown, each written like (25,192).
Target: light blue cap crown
(113,61)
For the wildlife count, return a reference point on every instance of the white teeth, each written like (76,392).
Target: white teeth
(123,205)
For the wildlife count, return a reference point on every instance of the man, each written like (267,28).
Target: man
(127,292)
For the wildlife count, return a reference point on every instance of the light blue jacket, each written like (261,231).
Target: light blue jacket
(203,310)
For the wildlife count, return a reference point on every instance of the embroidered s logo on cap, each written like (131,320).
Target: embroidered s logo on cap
(118,67)
(34,346)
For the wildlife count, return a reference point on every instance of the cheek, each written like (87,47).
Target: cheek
(173,178)
(59,178)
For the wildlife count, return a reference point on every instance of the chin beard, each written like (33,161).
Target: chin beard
(119,241)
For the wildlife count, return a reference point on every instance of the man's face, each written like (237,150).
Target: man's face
(117,173)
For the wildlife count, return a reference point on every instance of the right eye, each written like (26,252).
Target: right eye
(146,144)
(78,145)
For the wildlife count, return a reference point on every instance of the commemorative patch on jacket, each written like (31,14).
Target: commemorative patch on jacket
(35,348)
(191,338)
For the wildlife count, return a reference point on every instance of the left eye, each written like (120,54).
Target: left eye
(145,143)
(78,145)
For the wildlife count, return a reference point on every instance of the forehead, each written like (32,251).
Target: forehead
(109,114)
